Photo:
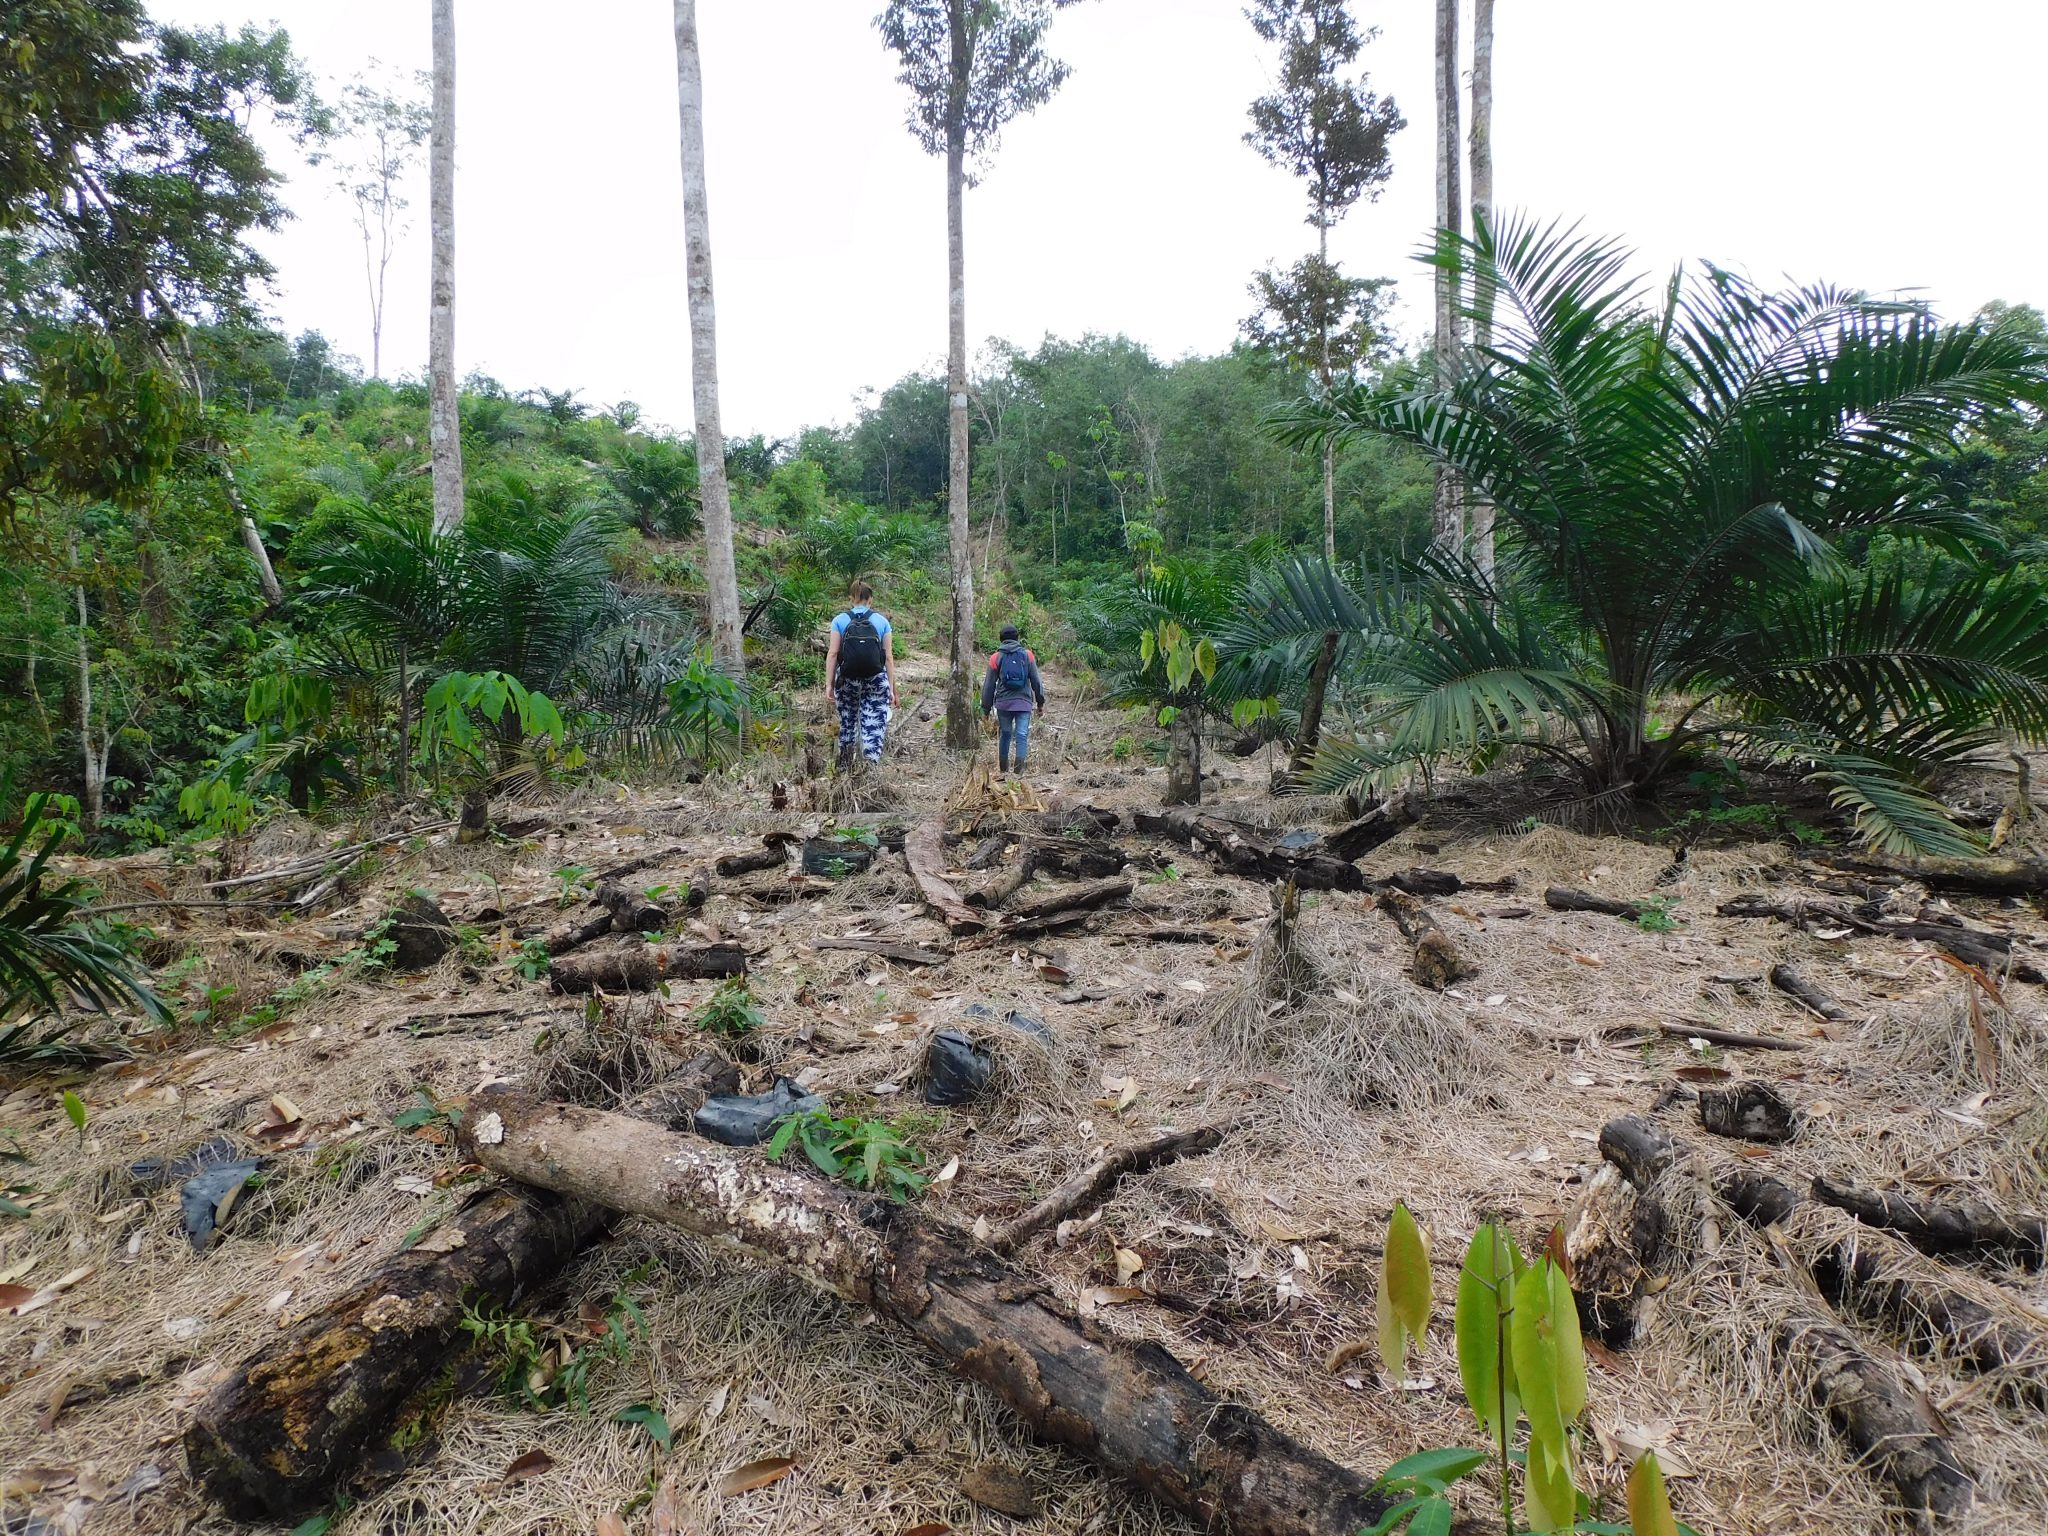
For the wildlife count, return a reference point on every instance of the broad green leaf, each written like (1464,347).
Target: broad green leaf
(1439,1467)
(1570,1348)
(1432,1518)
(1148,647)
(1532,1341)
(1649,1506)
(1205,660)
(1485,1300)
(74,1109)
(314,1525)
(1549,1501)
(1393,1517)
(651,1419)
(1404,1290)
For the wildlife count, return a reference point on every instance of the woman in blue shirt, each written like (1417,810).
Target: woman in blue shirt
(860,676)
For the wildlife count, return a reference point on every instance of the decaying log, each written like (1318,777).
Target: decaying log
(641,967)
(1809,994)
(1973,877)
(924,850)
(631,911)
(1037,903)
(1089,820)
(560,940)
(1436,962)
(1889,1426)
(1133,1409)
(1971,1227)
(1009,882)
(902,954)
(1421,881)
(988,853)
(1381,824)
(1093,1183)
(1750,1111)
(1735,1039)
(1613,1239)
(1240,850)
(752,862)
(1561,898)
(296,1419)
(1990,952)
(1640,1148)
(1875,1276)
(1076,858)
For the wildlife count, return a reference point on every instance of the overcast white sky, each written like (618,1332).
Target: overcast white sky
(1885,143)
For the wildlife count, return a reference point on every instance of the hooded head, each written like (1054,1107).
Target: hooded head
(1010,635)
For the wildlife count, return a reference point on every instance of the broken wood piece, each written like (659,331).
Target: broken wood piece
(1974,877)
(1009,882)
(640,967)
(1734,1039)
(752,862)
(1809,994)
(295,1420)
(1750,1111)
(1641,1149)
(1423,881)
(1970,1227)
(1384,822)
(924,850)
(1076,858)
(1241,850)
(1093,1182)
(1435,961)
(631,911)
(567,936)
(902,954)
(1068,898)
(1613,1238)
(1131,1408)
(1992,953)
(1562,898)
(988,853)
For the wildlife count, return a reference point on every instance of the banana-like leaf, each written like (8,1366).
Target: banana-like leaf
(1403,1303)
(1649,1506)
(1486,1291)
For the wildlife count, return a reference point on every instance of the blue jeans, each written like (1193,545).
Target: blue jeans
(1015,725)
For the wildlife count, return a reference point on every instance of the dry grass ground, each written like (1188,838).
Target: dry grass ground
(1259,1258)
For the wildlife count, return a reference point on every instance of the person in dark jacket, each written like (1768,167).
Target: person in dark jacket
(1012,688)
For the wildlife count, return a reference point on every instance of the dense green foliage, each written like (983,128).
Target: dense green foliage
(1719,502)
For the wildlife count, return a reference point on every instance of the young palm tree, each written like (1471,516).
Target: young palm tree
(1681,485)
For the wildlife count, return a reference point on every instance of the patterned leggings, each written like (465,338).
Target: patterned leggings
(864,712)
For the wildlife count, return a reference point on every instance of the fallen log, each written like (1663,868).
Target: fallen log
(1873,1275)
(1562,898)
(1749,1111)
(1068,898)
(1093,1182)
(1889,1426)
(560,940)
(644,861)
(1382,824)
(1990,952)
(631,911)
(731,864)
(1971,1228)
(1133,1409)
(902,954)
(1422,881)
(641,967)
(295,1420)
(1009,882)
(1239,850)
(1735,1039)
(924,850)
(1809,994)
(1973,877)
(1076,858)
(1435,961)
(988,853)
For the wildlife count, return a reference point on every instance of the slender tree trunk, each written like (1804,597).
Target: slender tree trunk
(444,418)
(1184,759)
(1329,444)
(960,686)
(266,573)
(404,761)
(91,764)
(1482,214)
(1311,732)
(1448,518)
(716,493)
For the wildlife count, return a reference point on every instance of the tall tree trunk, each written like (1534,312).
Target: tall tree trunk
(444,422)
(1184,759)
(1482,214)
(1311,731)
(1448,519)
(711,480)
(266,573)
(1329,444)
(960,686)
(92,765)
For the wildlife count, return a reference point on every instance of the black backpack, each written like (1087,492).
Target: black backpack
(861,653)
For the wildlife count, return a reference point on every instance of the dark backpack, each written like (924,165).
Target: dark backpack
(1013,673)
(861,653)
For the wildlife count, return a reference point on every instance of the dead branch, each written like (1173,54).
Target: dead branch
(1094,1182)
(1970,1227)
(1241,850)
(1381,824)
(1560,898)
(1992,953)
(641,967)
(1068,898)
(1435,960)
(1809,994)
(924,850)
(902,954)
(631,911)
